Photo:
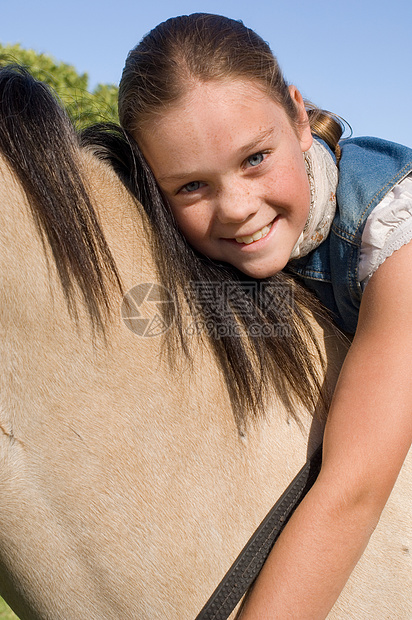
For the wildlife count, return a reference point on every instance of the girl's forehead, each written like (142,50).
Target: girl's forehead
(214,106)
(221,92)
(227,87)
(215,123)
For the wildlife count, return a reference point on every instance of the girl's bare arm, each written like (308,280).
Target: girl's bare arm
(367,437)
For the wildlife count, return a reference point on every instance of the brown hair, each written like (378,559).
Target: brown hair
(158,72)
(203,47)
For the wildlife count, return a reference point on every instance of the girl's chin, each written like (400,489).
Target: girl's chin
(258,272)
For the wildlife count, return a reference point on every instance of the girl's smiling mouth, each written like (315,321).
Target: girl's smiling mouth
(247,239)
(256,236)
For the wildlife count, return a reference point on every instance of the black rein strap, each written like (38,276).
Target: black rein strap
(248,564)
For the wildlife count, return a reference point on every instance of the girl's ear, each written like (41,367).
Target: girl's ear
(303,127)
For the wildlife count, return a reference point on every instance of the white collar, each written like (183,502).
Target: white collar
(323,180)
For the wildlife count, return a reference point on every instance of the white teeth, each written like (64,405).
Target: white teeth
(255,237)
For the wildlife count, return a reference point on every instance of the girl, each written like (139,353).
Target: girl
(254,180)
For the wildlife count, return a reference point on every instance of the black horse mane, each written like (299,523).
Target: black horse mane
(41,146)
(260,332)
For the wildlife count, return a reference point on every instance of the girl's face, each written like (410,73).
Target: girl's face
(230,163)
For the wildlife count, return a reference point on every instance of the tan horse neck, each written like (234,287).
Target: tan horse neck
(126,491)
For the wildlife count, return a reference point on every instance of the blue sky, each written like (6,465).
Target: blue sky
(352,57)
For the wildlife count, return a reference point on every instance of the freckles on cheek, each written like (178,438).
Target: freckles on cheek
(293,184)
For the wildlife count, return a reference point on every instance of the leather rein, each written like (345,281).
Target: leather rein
(249,562)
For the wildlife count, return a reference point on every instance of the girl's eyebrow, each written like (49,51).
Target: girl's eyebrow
(250,146)
(175,177)
(263,135)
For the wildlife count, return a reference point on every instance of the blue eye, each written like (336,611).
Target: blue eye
(255,160)
(191,187)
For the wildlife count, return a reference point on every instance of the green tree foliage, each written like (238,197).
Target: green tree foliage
(5,612)
(84,107)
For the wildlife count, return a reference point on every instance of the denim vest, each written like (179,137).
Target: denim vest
(368,170)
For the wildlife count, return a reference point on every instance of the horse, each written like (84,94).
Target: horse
(126,487)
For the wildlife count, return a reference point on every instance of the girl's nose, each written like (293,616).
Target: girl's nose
(235,205)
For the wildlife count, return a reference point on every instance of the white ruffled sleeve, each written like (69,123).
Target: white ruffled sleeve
(387,229)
